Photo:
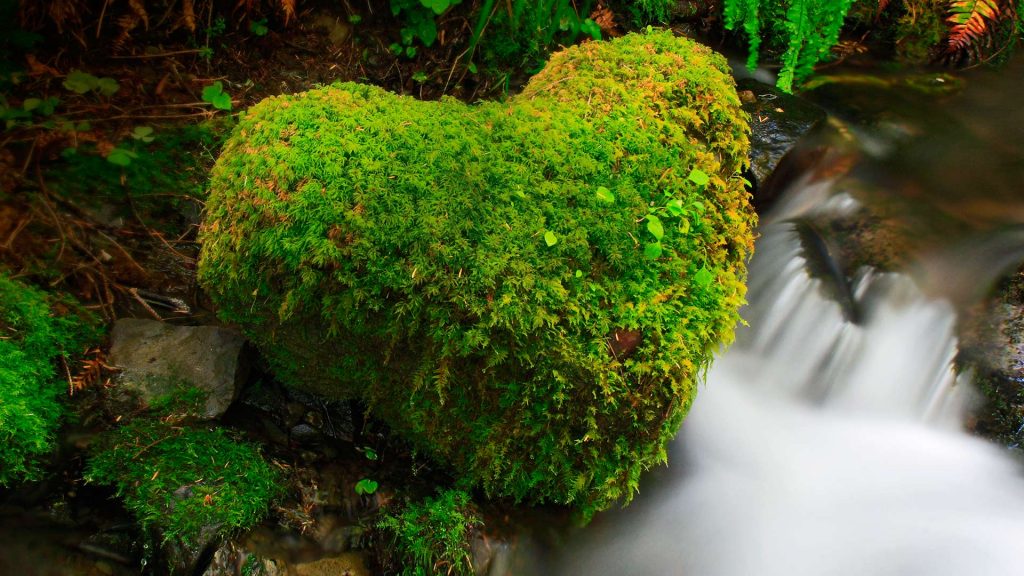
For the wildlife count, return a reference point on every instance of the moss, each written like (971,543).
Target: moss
(430,537)
(184,481)
(33,336)
(400,252)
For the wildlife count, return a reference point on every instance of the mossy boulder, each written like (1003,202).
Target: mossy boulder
(35,332)
(527,290)
(188,486)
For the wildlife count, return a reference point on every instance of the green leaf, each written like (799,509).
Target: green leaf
(703,277)
(655,227)
(215,94)
(121,157)
(80,82)
(653,250)
(699,177)
(420,76)
(31,104)
(550,239)
(605,195)
(366,486)
(698,207)
(370,453)
(590,27)
(579,273)
(675,207)
(471,67)
(143,133)
(107,86)
(259,27)
(438,6)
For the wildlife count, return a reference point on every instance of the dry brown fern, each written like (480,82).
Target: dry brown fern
(972,21)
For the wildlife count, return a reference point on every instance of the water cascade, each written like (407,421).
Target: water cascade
(821,446)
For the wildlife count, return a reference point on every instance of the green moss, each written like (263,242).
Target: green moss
(183,480)
(398,251)
(430,536)
(32,339)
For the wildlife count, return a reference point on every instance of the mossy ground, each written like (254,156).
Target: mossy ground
(430,536)
(459,268)
(37,334)
(185,480)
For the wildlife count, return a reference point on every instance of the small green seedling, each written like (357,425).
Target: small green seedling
(143,134)
(366,486)
(259,27)
(121,157)
(82,82)
(215,95)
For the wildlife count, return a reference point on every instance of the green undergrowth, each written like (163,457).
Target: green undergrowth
(528,291)
(36,332)
(186,482)
(430,536)
(158,180)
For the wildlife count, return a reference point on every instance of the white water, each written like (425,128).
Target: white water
(823,448)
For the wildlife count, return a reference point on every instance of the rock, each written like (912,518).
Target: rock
(778,123)
(230,559)
(184,558)
(157,359)
(347,564)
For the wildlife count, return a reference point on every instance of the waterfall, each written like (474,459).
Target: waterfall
(821,447)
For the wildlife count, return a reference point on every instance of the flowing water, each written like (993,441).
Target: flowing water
(825,445)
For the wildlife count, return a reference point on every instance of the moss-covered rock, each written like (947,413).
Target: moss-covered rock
(489,278)
(33,336)
(188,486)
(430,536)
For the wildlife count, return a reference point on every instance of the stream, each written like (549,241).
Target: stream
(825,444)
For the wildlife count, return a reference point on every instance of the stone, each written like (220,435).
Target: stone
(347,564)
(157,359)
(778,124)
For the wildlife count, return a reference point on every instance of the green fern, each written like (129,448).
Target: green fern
(809,29)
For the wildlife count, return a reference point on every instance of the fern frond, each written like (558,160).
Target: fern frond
(972,21)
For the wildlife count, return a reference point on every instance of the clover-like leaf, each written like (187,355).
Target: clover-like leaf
(605,195)
(80,82)
(550,239)
(215,95)
(107,86)
(143,133)
(366,486)
(121,157)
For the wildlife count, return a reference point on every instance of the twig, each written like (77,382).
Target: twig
(160,55)
(135,293)
(122,250)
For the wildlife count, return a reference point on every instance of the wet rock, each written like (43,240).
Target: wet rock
(305,434)
(230,559)
(347,564)
(992,345)
(308,418)
(778,123)
(187,558)
(157,359)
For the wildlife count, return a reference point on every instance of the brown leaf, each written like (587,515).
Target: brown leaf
(188,14)
(37,68)
(140,11)
(288,7)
